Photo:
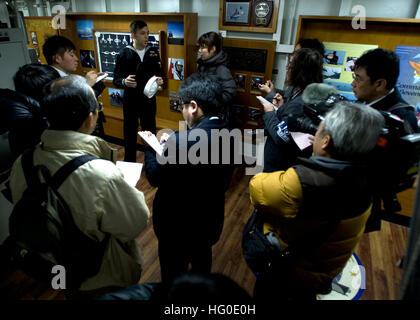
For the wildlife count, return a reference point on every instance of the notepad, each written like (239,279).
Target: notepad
(152,141)
(301,139)
(131,171)
(101,77)
(264,100)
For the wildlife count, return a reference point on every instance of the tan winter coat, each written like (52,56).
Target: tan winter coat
(99,199)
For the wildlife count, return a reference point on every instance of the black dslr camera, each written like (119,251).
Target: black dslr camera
(313,115)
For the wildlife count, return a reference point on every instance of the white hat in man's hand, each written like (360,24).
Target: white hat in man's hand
(151,87)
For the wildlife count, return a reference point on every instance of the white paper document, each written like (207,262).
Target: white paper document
(264,100)
(301,139)
(101,77)
(131,171)
(152,141)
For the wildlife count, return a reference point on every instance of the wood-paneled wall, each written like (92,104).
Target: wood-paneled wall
(386,33)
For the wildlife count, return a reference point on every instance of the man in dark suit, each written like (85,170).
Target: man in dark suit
(374,79)
(375,76)
(188,209)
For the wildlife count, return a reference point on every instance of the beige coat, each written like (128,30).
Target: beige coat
(99,199)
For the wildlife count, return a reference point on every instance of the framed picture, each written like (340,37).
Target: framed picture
(237,12)
(240,80)
(254,115)
(87,59)
(255,82)
(116,97)
(249,15)
(175,103)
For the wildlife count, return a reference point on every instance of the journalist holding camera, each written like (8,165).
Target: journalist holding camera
(280,152)
(375,77)
(317,210)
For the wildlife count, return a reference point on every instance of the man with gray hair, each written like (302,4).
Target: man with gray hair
(101,202)
(318,209)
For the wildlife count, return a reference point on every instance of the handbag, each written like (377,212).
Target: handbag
(264,256)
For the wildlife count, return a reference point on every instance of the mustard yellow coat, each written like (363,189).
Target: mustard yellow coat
(280,195)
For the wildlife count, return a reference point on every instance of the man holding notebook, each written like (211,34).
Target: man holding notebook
(188,209)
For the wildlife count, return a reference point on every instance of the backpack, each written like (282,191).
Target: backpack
(43,232)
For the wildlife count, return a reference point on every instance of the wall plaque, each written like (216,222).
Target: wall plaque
(262,12)
(252,60)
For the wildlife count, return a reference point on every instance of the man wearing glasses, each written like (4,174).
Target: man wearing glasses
(188,208)
(99,199)
(374,79)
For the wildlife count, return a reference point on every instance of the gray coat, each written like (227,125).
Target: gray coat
(217,67)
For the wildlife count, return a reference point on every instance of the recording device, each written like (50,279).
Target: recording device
(318,99)
(394,162)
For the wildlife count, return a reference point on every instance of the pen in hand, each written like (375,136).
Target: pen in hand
(164,140)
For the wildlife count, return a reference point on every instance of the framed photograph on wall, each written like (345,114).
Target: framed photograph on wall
(236,12)
(240,80)
(249,16)
(255,82)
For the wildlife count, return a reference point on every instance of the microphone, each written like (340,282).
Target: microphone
(318,92)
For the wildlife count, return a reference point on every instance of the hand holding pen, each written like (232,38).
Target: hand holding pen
(165,137)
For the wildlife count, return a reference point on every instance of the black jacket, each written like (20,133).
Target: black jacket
(128,62)
(406,113)
(189,202)
(280,151)
(216,66)
(21,116)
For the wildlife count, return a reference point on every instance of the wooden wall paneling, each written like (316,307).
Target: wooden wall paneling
(248,98)
(386,33)
(190,42)
(43,28)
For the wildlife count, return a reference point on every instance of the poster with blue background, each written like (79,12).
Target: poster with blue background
(84,29)
(408,82)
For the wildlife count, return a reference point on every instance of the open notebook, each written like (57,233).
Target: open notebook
(152,141)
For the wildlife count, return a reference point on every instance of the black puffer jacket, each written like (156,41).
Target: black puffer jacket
(21,116)
(217,66)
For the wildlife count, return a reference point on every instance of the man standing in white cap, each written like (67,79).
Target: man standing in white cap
(136,64)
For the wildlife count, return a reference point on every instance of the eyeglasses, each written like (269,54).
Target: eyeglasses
(356,78)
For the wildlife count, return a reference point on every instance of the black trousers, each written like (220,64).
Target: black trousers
(145,110)
(175,257)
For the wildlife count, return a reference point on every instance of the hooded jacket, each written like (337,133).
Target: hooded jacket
(300,200)
(216,66)
(99,199)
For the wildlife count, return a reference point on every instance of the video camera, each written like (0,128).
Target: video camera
(394,162)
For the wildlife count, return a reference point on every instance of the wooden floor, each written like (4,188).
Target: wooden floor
(378,251)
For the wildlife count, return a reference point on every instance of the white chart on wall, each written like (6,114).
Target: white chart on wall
(109,44)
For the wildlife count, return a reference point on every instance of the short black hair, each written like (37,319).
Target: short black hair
(192,288)
(137,24)
(380,64)
(209,40)
(30,79)
(314,44)
(68,102)
(205,90)
(56,45)
(305,68)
